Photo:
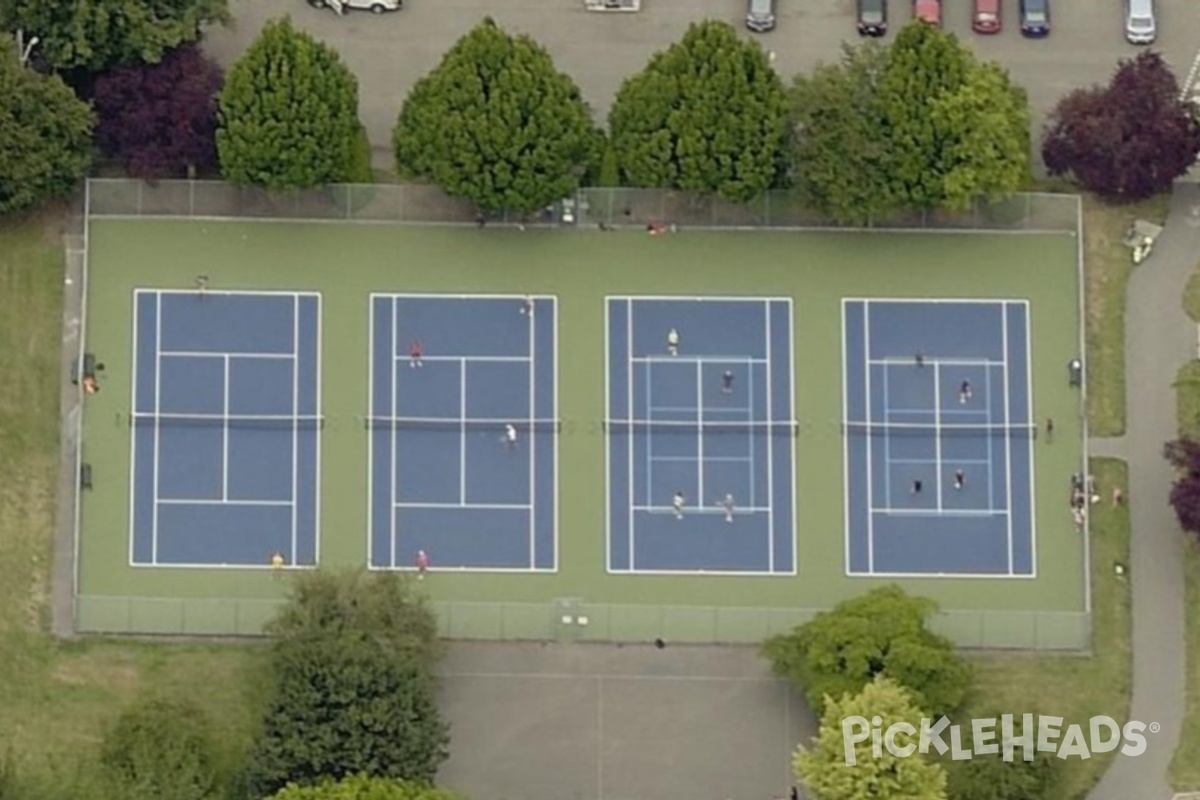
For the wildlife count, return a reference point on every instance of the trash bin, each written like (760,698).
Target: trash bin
(1075,372)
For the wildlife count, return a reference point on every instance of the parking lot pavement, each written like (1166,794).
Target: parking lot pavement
(390,52)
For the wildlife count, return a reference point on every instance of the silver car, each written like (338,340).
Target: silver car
(374,6)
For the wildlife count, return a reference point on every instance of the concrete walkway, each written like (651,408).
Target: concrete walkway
(1159,338)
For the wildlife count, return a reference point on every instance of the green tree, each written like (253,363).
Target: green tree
(990,777)
(288,113)
(95,35)
(707,115)
(957,129)
(497,123)
(45,144)
(881,633)
(361,787)
(834,768)
(353,686)
(161,750)
(840,149)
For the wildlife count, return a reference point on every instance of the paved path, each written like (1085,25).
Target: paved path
(1158,339)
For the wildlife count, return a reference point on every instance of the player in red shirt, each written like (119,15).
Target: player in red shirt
(415,350)
(422,563)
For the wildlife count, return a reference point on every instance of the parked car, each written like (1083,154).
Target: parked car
(928,10)
(1140,27)
(760,15)
(374,6)
(872,17)
(1035,17)
(986,18)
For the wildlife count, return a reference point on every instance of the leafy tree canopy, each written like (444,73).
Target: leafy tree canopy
(1126,141)
(354,688)
(94,35)
(707,115)
(160,119)
(958,129)
(1184,455)
(990,777)
(497,123)
(161,750)
(46,144)
(841,152)
(288,113)
(880,633)
(362,787)
(824,770)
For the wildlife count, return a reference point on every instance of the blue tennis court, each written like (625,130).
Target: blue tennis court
(225,428)
(449,375)
(939,434)
(701,435)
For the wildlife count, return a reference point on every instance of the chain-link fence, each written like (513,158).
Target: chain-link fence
(575,619)
(422,203)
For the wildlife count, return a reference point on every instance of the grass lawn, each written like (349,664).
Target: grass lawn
(56,700)
(1076,687)
(1191,296)
(1108,265)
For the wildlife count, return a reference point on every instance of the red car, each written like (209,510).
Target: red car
(928,10)
(986,18)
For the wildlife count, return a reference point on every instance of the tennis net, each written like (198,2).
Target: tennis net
(266,422)
(948,431)
(497,426)
(703,427)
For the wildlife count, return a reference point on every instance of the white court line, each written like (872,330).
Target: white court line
(870,450)
(935,461)
(295,427)
(554,412)
(743,410)
(182,501)
(317,445)
(991,470)
(770,446)
(937,430)
(392,345)
(1029,444)
(845,444)
(949,362)
(157,410)
(933,513)
(225,436)
(750,433)
(629,409)
(945,411)
(1007,441)
(649,438)
(683,359)
(482,506)
(791,409)
(699,432)
(703,509)
(928,301)
(608,465)
(709,458)
(133,436)
(456,359)
(887,438)
(532,441)
(462,436)
(371,345)
(202,354)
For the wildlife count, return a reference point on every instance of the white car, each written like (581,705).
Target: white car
(374,6)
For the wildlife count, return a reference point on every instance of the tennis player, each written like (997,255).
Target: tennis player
(964,392)
(415,351)
(277,563)
(527,305)
(960,479)
(422,564)
(917,486)
(673,342)
(677,504)
(919,358)
(726,503)
(202,284)
(727,382)
(510,436)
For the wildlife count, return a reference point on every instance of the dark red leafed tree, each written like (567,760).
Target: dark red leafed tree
(160,119)
(1184,455)
(1128,140)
